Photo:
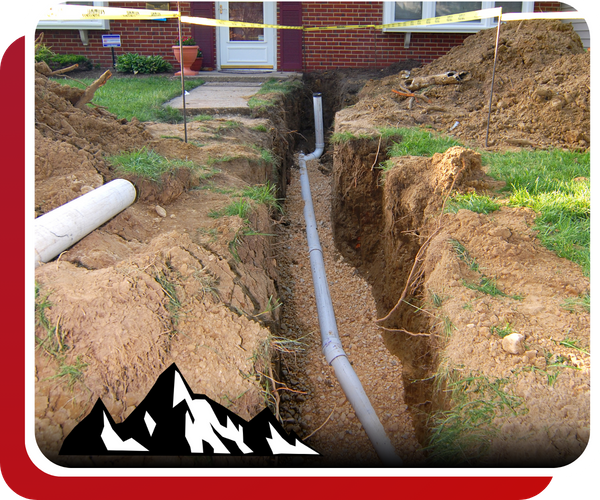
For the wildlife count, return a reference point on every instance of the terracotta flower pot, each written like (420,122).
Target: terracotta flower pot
(189,56)
(197,65)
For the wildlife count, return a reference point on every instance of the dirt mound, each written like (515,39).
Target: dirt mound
(71,144)
(152,287)
(541,93)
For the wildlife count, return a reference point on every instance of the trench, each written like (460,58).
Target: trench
(366,275)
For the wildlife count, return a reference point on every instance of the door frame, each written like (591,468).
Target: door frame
(269,43)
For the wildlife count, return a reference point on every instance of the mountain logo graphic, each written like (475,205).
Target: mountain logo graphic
(172,420)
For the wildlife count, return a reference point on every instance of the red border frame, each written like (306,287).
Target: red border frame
(27,480)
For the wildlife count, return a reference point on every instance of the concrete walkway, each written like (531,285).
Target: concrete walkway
(225,93)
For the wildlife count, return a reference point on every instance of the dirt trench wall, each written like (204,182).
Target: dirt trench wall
(425,268)
(380,221)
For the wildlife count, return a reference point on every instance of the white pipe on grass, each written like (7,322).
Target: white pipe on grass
(331,343)
(64,226)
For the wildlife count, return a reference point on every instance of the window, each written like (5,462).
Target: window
(91,24)
(397,12)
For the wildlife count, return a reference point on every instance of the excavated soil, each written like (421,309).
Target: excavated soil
(541,93)
(163,282)
(232,304)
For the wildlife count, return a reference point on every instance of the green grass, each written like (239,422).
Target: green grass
(577,304)
(201,118)
(174,304)
(73,372)
(462,435)
(263,193)
(243,204)
(473,202)
(488,286)
(142,98)
(240,207)
(272,86)
(485,284)
(225,127)
(147,163)
(419,142)
(501,331)
(53,343)
(343,137)
(53,340)
(572,344)
(556,185)
(267,155)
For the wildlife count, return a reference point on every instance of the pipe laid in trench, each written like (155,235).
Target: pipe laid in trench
(64,226)
(332,345)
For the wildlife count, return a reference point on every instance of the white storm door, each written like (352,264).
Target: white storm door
(247,47)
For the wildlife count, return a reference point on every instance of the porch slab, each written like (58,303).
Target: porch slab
(225,93)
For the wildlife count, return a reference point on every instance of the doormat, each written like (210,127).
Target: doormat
(246,71)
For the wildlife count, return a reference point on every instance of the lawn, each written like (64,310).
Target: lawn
(142,98)
(554,183)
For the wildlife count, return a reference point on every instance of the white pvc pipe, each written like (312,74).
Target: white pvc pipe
(331,343)
(64,226)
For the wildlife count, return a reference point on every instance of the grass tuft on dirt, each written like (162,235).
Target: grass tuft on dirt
(272,86)
(421,142)
(147,163)
(462,435)
(246,199)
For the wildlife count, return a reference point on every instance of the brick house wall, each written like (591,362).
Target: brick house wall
(364,47)
(321,50)
(142,37)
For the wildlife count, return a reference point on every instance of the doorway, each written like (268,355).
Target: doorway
(243,47)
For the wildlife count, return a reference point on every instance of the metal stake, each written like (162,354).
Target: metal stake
(181,71)
(487,133)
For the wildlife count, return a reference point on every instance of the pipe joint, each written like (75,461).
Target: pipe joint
(331,343)
(332,347)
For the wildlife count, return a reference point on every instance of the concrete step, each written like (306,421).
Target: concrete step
(244,76)
(226,92)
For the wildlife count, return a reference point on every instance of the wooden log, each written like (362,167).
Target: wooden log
(449,78)
(89,92)
(64,70)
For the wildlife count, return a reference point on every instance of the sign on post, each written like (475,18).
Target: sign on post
(112,41)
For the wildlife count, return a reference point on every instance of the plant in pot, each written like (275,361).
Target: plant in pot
(189,50)
(197,64)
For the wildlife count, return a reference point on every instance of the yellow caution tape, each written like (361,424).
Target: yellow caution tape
(204,21)
(346,27)
(77,13)
(452,18)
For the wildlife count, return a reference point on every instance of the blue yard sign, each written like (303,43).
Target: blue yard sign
(111,40)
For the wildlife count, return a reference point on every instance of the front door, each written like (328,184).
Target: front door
(247,48)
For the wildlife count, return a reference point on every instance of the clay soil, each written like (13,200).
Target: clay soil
(223,302)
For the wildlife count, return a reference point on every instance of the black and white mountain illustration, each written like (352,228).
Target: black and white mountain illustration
(172,420)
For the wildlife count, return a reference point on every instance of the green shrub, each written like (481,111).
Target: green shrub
(59,61)
(136,63)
